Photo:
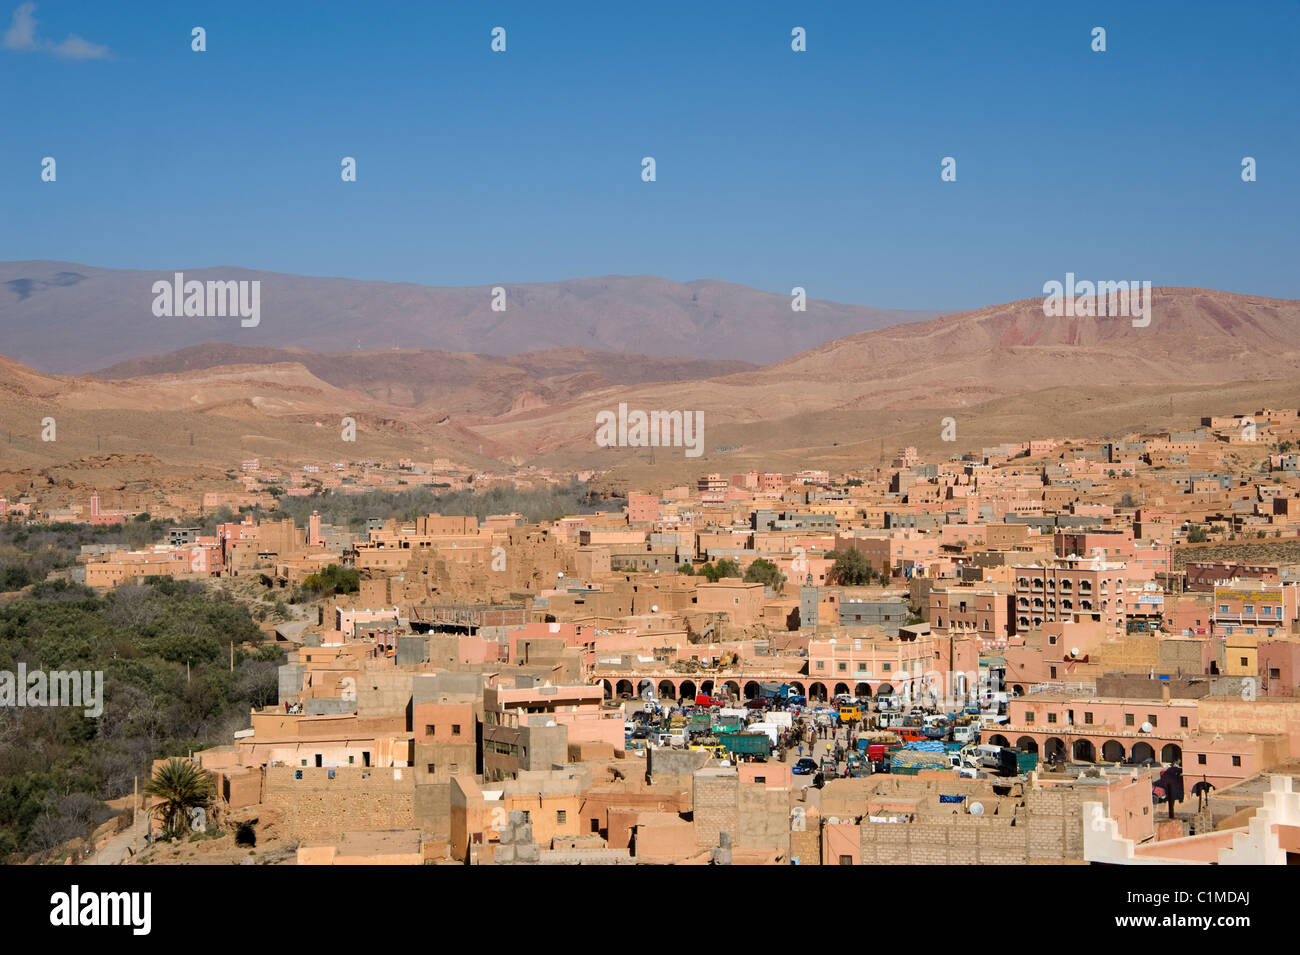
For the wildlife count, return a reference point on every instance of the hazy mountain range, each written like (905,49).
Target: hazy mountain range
(1003,373)
(71,319)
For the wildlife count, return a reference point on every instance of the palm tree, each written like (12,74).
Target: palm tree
(182,786)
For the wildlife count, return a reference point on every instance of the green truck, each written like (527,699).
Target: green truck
(746,744)
(728,724)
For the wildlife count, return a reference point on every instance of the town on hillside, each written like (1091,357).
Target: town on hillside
(1050,651)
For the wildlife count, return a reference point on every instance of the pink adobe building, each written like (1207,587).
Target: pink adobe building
(642,508)
(893,549)
(1071,588)
(576,707)
(866,666)
(985,612)
(1143,559)
(577,635)
(1254,608)
(742,602)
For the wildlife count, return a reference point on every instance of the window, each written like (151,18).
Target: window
(1236,760)
(1029,716)
(1053,669)
(1128,719)
(846,860)
(1052,640)
(1274,673)
(1200,759)
(455,729)
(527,817)
(455,767)
(888,667)
(1244,662)
(561,816)
(432,769)
(862,668)
(760,779)
(1051,717)
(428,729)
(841,667)
(1151,718)
(821,664)
(1087,716)
(1182,722)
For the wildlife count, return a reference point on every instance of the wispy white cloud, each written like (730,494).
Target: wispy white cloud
(76,48)
(21,36)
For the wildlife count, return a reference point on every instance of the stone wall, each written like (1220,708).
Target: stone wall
(317,806)
(716,802)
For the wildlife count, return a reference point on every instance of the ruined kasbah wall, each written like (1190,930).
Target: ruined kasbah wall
(316,806)
(1048,829)
(526,566)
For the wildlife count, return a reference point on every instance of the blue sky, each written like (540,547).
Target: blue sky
(775,168)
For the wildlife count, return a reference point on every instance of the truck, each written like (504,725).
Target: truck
(728,724)
(746,744)
(777,691)
(966,733)
(700,723)
(850,711)
(771,730)
(909,762)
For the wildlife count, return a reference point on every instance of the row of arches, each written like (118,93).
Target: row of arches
(1085,750)
(666,689)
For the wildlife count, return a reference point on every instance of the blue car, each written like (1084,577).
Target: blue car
(805,767)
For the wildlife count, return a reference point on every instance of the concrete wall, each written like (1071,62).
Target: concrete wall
(432,809)
(383,693)
(322,705)
(290,677)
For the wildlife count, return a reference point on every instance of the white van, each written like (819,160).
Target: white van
(982,756)
(965,734)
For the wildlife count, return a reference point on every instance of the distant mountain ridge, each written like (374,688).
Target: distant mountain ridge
(1002,373)
(65,318)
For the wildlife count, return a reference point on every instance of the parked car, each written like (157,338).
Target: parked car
(806,766)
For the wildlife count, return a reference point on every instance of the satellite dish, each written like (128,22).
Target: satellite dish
(1147,727)
(1074,651)
(560,575)
(654,608)
(977,809)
